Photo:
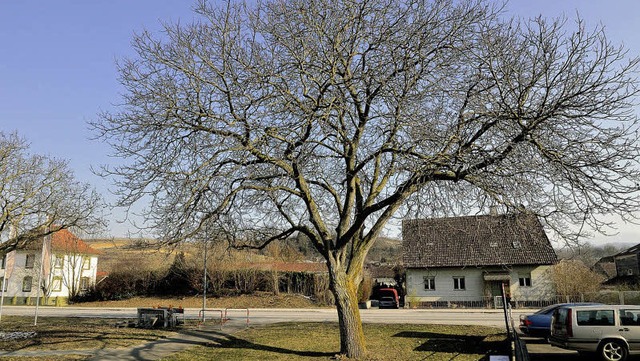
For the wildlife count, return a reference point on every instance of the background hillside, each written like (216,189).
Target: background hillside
(119,253)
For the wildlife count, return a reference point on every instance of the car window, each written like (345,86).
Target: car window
(595,318)
(560,316)
(630,317)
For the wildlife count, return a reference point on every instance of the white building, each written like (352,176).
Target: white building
(69,268)
(467,261)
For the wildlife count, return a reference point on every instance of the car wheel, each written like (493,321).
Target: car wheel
(613,350)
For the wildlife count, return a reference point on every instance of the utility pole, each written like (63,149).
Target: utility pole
(204,279)
(45,257)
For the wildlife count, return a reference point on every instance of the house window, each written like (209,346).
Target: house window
(429,283)
(3,264)
(26,284)
(30,260)
(458,283)
(525,281)
(86,263)
(84,283)
(2,283)
(59,261)
(56,284)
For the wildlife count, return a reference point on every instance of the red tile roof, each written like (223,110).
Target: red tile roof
(66,242)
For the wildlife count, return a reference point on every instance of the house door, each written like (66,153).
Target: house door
(495,289)
(493,286)
(495,292)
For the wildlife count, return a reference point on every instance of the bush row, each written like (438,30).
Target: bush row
(183,280)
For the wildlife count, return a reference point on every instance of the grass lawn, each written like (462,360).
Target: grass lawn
(320,341)
(57,333)
(284,341)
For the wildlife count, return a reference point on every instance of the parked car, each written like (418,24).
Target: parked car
(388,298)
(609,331)
(538,324)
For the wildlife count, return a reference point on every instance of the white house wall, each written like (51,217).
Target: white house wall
(475,286)
(71,262)
(14,285)
(14,282)
(541,289)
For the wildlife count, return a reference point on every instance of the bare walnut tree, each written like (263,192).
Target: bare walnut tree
(39,196)
(328,118)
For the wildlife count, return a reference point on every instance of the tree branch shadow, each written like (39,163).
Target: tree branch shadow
(223,340)
(57,339)
(433,342)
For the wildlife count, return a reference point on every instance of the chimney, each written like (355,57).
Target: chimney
(493,210)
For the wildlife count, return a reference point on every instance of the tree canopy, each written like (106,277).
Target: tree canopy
(327,118)
(39,195)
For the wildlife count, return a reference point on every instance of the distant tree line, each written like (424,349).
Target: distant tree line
(589,254)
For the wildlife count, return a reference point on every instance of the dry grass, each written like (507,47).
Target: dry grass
(56,333)
(48,358)
(320,341)
(257,300)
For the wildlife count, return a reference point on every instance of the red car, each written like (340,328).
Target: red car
(388,298)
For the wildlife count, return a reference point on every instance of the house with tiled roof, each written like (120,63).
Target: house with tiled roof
(626,266)
(627,262)
(606,266)
(64,264)
(468,260)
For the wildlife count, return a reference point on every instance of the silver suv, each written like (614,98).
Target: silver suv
(611,331)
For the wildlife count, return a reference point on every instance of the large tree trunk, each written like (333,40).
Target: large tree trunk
(345,291)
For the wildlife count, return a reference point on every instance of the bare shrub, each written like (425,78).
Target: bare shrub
(573,277)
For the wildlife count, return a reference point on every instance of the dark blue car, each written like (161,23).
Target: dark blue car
(539,324)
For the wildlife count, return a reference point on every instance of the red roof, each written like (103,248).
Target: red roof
(101,274)
(66,242)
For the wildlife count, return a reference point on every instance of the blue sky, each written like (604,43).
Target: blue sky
(57,66)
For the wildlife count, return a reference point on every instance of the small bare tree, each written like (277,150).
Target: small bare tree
(40,196)
(573,277)
(72,271)
(327,118)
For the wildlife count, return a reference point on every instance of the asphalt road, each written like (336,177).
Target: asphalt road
(493,318)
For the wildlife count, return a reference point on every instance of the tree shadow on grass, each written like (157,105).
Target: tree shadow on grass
(56,340)
(223,340)
(433,342)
